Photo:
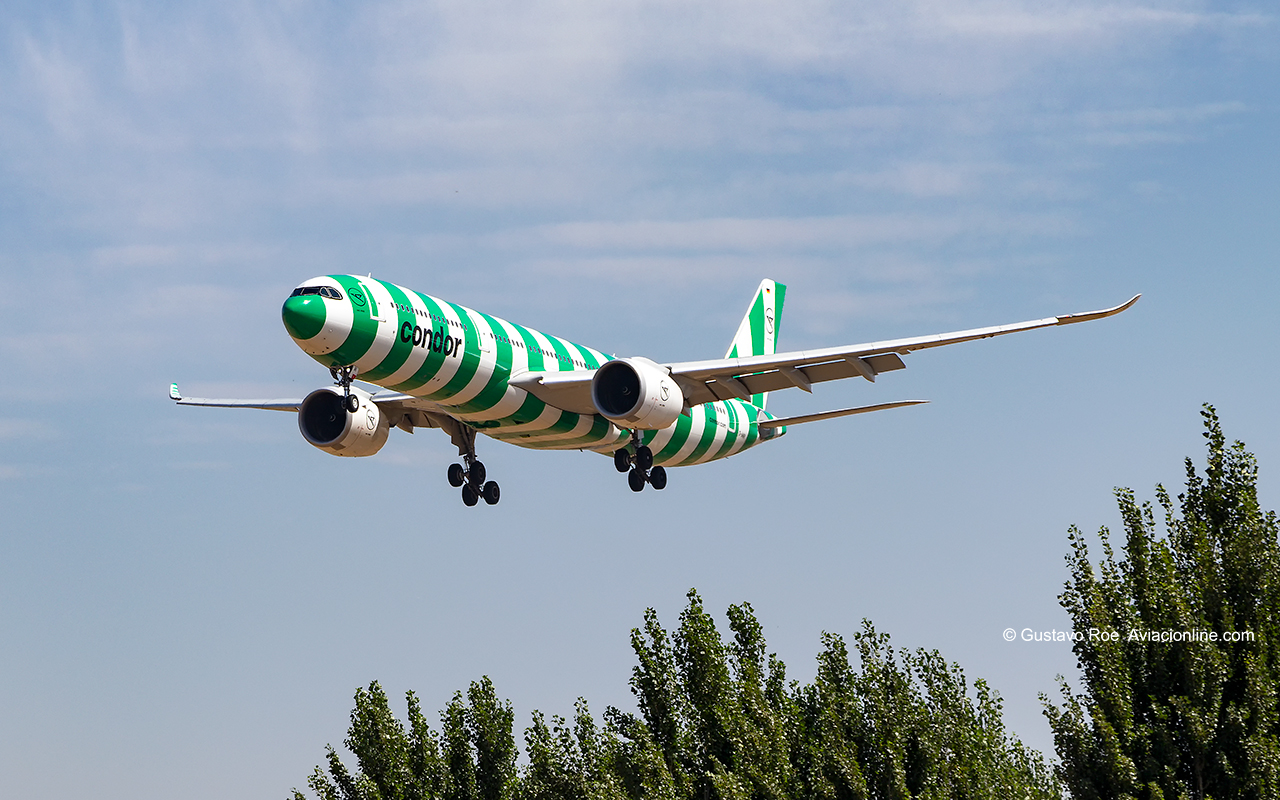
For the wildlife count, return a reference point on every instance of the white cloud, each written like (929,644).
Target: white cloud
(796,234)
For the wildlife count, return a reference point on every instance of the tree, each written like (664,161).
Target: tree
(717,719)
(473,759)
(725,725)
(1177,644)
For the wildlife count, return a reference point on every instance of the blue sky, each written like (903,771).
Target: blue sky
(188,598)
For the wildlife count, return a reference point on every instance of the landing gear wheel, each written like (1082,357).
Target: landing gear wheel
(622,460)
(470,473)
(635,479)
(456,476)
(658,478)
(644,457)
(342,376)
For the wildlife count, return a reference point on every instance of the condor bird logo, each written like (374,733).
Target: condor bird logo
(768,321)
(666,392)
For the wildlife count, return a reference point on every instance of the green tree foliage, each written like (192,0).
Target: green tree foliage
(716,718)
(474,758)
(1174,719)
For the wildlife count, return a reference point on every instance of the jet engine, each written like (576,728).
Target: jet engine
(325,423)
(636,393)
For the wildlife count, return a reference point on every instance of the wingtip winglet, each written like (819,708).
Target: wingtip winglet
(1067,319)
(174,394)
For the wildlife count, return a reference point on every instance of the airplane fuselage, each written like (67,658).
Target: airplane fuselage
(461,362)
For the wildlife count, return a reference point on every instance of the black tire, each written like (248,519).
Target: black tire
(621,460)
(352,403)
(635,479)
(491,493)
(476,476)
(658,478)
(456,475)
(644,457)
(469,496)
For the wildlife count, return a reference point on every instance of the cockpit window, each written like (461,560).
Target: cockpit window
(323,291)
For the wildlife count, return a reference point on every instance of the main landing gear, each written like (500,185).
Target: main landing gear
(470,474)
(342,376)
(639,467)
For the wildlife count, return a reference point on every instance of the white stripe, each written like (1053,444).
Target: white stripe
(514,397)
(662,438)
(452,363)
(739,411)
(549,362)
(585,422)
(721,431)
(695,436)
(550,416)
(417,354)
(385,336)
(488,357)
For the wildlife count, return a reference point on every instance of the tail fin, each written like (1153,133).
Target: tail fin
(758,333)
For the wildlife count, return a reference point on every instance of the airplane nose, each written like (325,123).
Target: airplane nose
(303,316)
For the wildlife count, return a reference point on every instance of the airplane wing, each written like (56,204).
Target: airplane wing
(394,401)
(403,411)
(844,412)
(269,405)
(721,379)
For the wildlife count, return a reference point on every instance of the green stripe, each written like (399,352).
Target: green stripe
(363,329)
(731,433)
(599,430)
(586,356)
(565,362)
(567,421)
(753,435)
(677,440)
(496,387)
(433,361)
(708,435)
(400,350)
(528,411)
(531,346)
(472,356)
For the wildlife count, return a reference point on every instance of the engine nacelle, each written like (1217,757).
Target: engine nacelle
(325,423)
(636,393)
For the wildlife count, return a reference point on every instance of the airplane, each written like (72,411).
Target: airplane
(431,363)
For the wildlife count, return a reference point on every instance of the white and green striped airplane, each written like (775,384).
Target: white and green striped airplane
(435,364)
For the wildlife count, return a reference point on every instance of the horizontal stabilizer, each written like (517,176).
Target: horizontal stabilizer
(844,412)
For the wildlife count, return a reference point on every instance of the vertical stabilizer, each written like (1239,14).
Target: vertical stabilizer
(758,333)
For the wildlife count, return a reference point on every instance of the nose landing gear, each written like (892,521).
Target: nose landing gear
(342,376)
(639,467)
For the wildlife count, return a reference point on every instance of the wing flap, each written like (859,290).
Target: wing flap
(723,387)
